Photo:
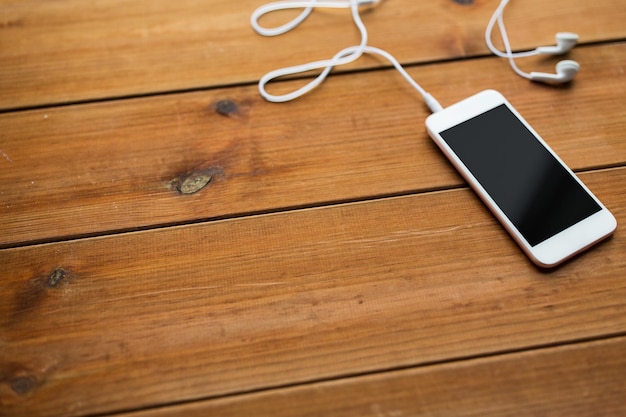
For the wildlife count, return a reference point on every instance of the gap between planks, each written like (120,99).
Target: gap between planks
(354,378)
(273,211)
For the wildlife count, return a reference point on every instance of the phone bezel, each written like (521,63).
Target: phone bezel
(555,249)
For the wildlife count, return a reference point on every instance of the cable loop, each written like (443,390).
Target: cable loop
(345,56)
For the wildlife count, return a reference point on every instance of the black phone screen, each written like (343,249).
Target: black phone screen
(538,195)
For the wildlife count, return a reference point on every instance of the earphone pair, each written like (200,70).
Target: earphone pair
(566,70)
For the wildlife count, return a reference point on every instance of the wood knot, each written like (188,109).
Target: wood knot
(226,107)
(56,277)
(194,181)
(22,385)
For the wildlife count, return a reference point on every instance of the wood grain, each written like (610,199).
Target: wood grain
(586,379)
(106,48)
(90,169)
(171,244)
(185,313)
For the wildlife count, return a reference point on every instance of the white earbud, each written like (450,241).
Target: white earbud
(565,72)
(565,41)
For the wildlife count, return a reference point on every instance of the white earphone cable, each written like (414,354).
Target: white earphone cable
(497,16)
(505,40)
(343,57)
(308,6)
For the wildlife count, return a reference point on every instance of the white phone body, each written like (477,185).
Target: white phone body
(549,212)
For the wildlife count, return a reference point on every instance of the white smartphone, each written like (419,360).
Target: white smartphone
(537,198)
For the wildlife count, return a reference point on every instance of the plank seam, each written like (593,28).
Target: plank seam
(336,73)
(345,377)
(272,211)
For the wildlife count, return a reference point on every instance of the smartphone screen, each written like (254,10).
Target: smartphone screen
(533,189)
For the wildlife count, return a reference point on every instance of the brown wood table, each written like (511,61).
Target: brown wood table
(172,244)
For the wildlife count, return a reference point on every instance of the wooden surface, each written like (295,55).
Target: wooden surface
(172,244)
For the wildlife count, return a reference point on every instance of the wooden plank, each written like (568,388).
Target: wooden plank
(106,48)
(89,169)
(587,379)
(178,314)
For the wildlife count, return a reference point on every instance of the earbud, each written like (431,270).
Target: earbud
(565,72)
(565,41)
